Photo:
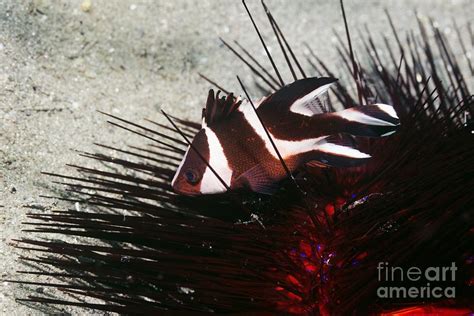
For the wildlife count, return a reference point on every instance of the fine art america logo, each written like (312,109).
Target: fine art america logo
(415,282)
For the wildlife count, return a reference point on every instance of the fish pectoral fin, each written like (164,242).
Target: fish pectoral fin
(338,151)
(258,180)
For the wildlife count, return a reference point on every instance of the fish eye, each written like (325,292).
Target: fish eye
(191,176)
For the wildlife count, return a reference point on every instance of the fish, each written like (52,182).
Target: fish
(232,150)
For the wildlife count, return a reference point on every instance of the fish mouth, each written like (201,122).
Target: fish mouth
(184,191)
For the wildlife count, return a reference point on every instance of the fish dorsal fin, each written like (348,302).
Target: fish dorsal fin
(305,96)
(218,108)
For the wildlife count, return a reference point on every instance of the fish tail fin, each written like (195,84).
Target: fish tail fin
(374,120)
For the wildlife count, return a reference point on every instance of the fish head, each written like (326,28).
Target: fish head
(194,175)
(189,176)
(204,168)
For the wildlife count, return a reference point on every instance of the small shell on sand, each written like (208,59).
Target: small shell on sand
(86,5)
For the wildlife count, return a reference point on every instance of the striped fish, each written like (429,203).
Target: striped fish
(234,142)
